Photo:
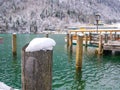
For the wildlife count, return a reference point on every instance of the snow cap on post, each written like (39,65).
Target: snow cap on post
(38,44)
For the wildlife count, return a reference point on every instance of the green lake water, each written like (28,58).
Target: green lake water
(98,72)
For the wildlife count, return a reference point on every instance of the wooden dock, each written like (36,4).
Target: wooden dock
(112,45)
(109,41)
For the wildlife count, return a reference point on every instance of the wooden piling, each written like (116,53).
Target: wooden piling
(70,42)
(100,49)
(111,35)
(86,40)
(115,36)
(106,38)
(47,35)
(90,36)
(79,51)
(14,44)
(67,40)
(37,70)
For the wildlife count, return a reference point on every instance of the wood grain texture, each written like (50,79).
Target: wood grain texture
(37,70)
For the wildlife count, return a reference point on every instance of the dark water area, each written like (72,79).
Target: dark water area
(97,73)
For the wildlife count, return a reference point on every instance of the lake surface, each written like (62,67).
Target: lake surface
(98,72)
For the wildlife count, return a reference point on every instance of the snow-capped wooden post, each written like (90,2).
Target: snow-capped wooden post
(67,39)
(79,51)
(14,44)
(37,64)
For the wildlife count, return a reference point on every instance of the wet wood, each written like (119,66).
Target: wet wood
(70,42)
(1,40)
(86,40)
(79,51)
(67,40)
(14,44)
(47,35)
(100,49)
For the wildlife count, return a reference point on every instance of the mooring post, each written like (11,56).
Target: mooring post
(90,36)
(100,45)
(47,35)
(14,44)
(67,40)
(86,40)
(79,51)
(36,69)
(70,42)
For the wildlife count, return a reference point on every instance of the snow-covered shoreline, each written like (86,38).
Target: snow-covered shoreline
(3,86)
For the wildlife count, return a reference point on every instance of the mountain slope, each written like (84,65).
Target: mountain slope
(39,15)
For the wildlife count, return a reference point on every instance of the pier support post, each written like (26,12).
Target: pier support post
(70,42)
(14,44)
(86,40)
(90,36)
(67,40)
(37,70)
(47,35)
(79,51)
(100,49)
(115,36)
(111,35)
(106,38)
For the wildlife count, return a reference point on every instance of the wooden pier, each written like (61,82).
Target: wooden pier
(105,39)
(112,46)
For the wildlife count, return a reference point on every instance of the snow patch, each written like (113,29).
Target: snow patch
(3,86)
(38,44)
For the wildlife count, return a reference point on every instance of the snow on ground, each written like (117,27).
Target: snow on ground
(4,86)
(38,44)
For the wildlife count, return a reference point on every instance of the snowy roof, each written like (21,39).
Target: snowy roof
(38,44)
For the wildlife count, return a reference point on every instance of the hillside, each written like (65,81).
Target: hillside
(39,15)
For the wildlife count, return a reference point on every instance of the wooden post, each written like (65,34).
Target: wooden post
(111,37)
(100,45)
(106,38)
(47,35)
(70,42)
(86,40)
(90,36)
(14,44)
(115,36)
(67,40)
(36,70)
(1,40)
(79,52)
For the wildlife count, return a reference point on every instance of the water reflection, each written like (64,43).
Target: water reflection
(79,83)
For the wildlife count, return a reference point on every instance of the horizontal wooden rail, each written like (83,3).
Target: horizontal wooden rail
(101,30)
